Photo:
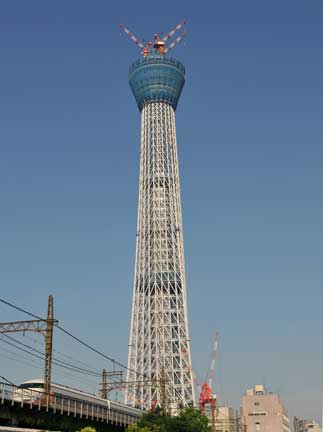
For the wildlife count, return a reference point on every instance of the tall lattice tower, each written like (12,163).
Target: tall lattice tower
(159,337)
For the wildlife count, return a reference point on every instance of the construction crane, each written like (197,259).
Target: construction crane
(207,399)
(159,43)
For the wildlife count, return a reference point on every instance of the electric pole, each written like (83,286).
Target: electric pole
(44,327)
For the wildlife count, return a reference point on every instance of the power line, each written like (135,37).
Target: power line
(42,357)
(87,371)
(8,381)
(20,309)
(85,344)
(69,357)
(115,362)
(20,359)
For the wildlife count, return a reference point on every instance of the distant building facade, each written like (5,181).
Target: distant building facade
(313,427)
(226,420)
(263,412)
(306,426)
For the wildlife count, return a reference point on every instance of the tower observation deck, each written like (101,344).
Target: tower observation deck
(159,335)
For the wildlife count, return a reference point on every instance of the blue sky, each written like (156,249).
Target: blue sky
(250,131)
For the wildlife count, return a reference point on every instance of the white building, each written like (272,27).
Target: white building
(263,412)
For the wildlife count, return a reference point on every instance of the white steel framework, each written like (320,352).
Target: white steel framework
(159,337)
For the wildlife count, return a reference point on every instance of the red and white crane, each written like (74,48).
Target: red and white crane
(159,44)
(207,399)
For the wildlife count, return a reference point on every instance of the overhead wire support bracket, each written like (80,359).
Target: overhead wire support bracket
(77,339)
(44,327)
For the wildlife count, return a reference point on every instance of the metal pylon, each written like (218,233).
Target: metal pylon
(44,327)
(159,337)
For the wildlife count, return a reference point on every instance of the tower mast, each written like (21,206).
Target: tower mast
(159,335)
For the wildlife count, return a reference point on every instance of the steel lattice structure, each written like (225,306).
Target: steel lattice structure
(159,336)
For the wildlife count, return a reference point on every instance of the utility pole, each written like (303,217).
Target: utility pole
(49,346)
(108,383)
(44,327)
(113,380)
(104,389)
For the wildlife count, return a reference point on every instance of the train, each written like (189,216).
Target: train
(32,390)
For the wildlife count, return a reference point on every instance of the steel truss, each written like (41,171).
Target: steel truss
(159,336)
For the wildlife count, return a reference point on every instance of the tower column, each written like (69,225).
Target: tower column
(159,337)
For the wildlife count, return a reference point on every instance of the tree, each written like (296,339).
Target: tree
(136,428)
(151,422)
(88,429)
(188,420)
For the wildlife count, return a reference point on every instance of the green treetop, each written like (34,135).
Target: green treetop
(188,420)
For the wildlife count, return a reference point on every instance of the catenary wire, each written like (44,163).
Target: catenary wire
(85,344)
(87,371)
(60,353)
(42,358)
(8,381)
(77,339)
(20,359)
(25,361)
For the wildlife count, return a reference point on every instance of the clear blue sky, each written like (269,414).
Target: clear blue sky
(250,134)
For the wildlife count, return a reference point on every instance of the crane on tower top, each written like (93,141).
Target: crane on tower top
(159,43)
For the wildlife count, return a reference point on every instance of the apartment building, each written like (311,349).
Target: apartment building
(263,412)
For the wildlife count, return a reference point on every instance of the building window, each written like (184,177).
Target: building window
(257,426)
(256,403)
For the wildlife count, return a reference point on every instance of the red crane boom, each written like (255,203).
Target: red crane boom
(207,398)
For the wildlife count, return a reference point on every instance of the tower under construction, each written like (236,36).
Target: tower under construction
(159,348)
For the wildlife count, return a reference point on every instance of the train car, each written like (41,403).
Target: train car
(127,409)
(33,390)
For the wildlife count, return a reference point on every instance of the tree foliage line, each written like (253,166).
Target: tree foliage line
(188,420)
